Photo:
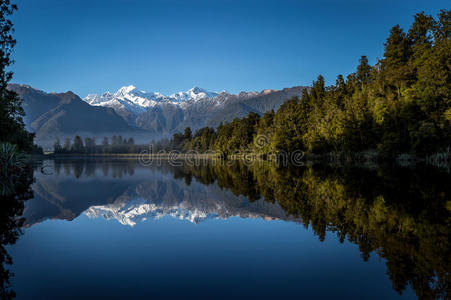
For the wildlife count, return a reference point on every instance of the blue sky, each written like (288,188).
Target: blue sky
(166,46)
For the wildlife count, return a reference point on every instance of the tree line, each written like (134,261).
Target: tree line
(115,145)
(402,104)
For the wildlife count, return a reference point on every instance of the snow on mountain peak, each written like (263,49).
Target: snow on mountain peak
(195,93)
(126,90)
(132,99)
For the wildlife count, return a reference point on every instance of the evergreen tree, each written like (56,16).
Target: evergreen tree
(187,134)
(12,128)
(77,146)
(57,146)
(90,144)
(396,56)
(363,71)
(67,145)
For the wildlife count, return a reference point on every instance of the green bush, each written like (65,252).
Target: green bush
(12,164)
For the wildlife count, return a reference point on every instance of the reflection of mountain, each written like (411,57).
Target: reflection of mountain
(137,210)
(131,199)
(401,215)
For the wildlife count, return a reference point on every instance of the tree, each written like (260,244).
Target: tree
(396,55)
(67,145)
(105,145)
(288,122)
(177,141)
(90,144)
(442,28)
(188,134)
(12,128)
(363,71)
(78,146)
(57,146)
(318,90)
(420,33)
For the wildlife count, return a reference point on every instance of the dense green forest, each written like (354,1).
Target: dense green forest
(402,104)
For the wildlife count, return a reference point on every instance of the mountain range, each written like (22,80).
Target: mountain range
(134,112)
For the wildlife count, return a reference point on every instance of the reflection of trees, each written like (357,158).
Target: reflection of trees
(11,208)
(88,167)
(402,215)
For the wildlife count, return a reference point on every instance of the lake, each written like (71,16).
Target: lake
(121,229)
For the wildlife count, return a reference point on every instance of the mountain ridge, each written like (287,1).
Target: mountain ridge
(194,108)
(51,115)
(143,115)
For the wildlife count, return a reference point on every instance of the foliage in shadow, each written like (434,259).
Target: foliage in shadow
(400,214)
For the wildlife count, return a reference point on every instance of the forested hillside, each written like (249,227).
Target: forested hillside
(402,104)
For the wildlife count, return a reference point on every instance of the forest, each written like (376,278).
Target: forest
(402,104)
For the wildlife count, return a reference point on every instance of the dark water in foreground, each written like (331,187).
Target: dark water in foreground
(116,229)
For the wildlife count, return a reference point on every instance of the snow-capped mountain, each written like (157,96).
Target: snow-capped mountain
(136,101)
(127,98)
(196,108)
(195,94)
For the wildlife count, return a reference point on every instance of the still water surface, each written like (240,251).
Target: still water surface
(119,230)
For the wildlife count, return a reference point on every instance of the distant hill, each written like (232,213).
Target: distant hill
(51,115)
(144,115)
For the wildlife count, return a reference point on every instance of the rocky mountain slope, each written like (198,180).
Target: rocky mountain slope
(144,115)
(195,108)
(51,115)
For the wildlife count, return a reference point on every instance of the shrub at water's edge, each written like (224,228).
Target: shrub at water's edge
(16,178)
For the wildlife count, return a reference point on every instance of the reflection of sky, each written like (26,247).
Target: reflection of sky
(233,252)
(169,257)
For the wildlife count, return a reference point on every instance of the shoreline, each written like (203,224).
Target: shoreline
(441,160)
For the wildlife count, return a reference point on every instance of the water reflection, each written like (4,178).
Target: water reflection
(402,215)
(14,190)
(128,192)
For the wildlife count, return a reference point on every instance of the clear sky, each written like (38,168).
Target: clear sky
(90,46)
